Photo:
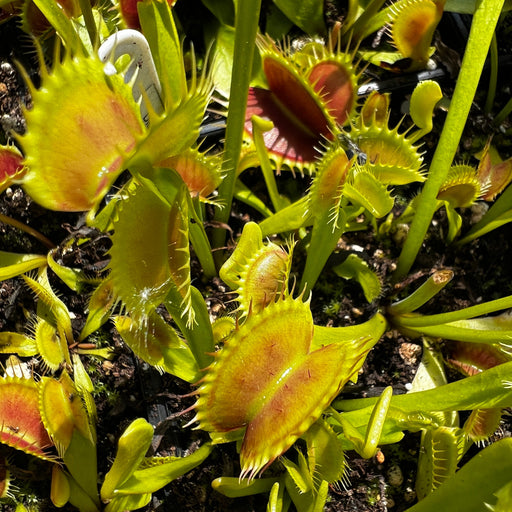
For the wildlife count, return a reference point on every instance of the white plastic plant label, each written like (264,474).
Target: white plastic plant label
(141,72)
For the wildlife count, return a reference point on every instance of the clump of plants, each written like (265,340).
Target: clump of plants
(115,130)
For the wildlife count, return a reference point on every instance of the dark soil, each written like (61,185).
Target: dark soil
(126,388)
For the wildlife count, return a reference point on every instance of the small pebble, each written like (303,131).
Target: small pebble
(410,353)
(378,254)
(478,210)
(409,495)
(395,476)
(399,236)
(6,67)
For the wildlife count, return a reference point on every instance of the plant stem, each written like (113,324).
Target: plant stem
(27,229)
(505,111)
(477,310)
(485,19)
(259,126)
(491,92)
(434,284)
(246,26)
(90,23)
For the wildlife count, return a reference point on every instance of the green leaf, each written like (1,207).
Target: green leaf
(74,278)
(150,251)
(469,6)
(223,11)
(423,101)
(55,14)
(60,490)
(246,27)
(173,188)
(13,264)
(367,191)
(367,334)
(158,26)
(324,238)
(156,472)
(307,14)
(158,344)
(235,487)
(475,484)
(275,500)
(80,460)
(437,461)
(15,343)
(430,373)
(64,413)
(173,131)
(247,196)
(200,335)
(326,456)
(52,349)
(485,308)
(131,449)
(51,308)
(80,499)
(504,496)
(304,502)
(433,285)
(224,41)
(290,218)
(482,391)
(356,268)
(299,473)
(130,502)
(101,304)
(454,222)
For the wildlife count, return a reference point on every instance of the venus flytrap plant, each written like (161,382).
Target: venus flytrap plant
(479,41)
(470,359)
(117,126)
(11,165)
(443,446)
(51,415)
(468,324)
(133,478)
(472,486)
(271,383)
(290,359)
(356,268)
(257,272)
(463,187)
(467,394)
(342,189)
(309,93)
(494,176)
(163,277)
(408,24)
(445,443)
